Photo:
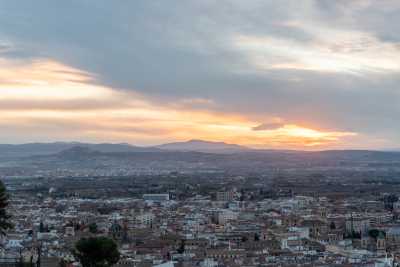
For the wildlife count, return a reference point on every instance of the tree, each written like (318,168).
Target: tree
(96,252)
(181,248)
(5,223)
(374,233)
(62,263)
(41,227)
(93,228)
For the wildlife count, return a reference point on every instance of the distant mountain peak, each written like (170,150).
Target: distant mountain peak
(203,146)
(30,149)
(205,142)
(77,152)
(78,149)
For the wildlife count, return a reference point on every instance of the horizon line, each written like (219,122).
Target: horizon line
(244,146)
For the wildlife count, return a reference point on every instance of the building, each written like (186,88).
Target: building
(225,196)
(156,197)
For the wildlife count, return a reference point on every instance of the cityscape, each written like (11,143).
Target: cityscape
(192,208)
(199,133)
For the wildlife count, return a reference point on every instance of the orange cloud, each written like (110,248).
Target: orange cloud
(53,101)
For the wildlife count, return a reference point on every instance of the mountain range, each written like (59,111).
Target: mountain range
(203,146)
(194,156)
(31,149)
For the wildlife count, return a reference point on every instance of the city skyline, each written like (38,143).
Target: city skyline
(313,75)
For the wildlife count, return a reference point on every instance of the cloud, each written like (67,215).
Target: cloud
(268,126)
(319,64)
(346,51)
(52,99)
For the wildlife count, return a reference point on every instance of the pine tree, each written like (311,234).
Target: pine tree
(5,223)
(96,252)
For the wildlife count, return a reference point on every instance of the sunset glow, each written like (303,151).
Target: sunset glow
(62,97)
(199,133)
(309,74)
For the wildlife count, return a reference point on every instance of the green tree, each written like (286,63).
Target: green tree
(41,227)
(374,233)
(96,252)
(93,228)
(181,248)
(5,223)
(63,263)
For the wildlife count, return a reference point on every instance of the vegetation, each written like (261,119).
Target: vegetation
(181,248)
(374,233)
(93,228)
(5,222)
(353,235)
(96,252)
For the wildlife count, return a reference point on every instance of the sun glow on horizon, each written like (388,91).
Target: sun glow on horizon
(47,98)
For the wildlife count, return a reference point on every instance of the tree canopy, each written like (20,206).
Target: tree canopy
(93,228)
(96,252)
(374,233)
(5,223)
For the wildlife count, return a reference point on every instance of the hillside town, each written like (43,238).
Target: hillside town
(226,227)
(199,133)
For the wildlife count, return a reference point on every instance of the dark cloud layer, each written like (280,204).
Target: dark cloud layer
(174,50)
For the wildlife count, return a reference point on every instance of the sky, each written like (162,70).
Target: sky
(288,74)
